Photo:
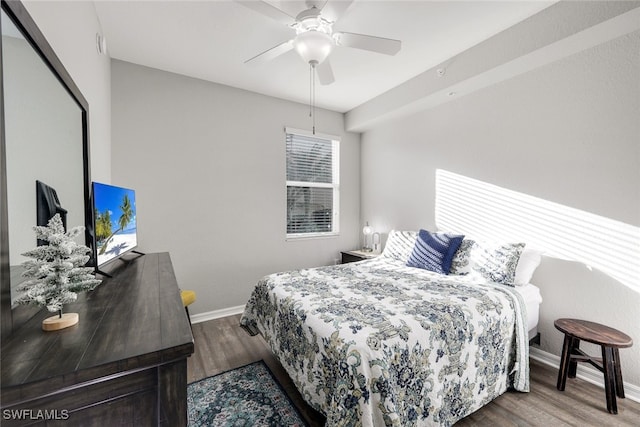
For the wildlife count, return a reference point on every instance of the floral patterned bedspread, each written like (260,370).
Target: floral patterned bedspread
(376,343)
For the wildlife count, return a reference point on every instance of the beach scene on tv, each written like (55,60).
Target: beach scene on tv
(115,221)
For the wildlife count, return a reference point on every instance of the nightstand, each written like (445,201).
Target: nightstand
(353,256)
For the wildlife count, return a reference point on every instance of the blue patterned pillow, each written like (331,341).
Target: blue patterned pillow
(434,251)
(461,263)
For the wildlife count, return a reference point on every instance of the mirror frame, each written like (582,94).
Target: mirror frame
(11,319)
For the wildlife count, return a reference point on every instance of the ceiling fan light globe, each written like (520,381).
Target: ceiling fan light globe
(313,46)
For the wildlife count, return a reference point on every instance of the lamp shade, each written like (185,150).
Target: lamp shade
(367,230)
(313,46)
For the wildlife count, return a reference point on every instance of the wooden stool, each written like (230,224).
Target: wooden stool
(609,339)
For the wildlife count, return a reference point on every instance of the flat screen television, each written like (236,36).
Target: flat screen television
(47,205)
(114,222)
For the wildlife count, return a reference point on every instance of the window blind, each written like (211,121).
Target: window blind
(309,159)
(311,185)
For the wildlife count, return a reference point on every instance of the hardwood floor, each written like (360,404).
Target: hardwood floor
(221,345)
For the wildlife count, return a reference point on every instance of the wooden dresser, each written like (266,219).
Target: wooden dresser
(125,363)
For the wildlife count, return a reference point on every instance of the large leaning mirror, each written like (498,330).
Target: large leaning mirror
(44,138)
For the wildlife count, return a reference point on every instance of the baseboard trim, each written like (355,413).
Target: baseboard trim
(216,314)
(586,373)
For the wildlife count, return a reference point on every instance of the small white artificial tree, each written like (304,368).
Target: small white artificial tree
(56,273)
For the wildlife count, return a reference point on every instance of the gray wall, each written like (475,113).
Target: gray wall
(566,133)
(207,162)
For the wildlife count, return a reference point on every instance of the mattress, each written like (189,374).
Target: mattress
(532,300)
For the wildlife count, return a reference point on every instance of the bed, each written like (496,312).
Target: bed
(379,343)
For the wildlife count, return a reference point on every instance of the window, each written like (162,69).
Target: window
(312,184)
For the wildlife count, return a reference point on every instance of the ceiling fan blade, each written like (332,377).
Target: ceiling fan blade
(268,10)
(272,53)
(336,9)
(372,43)
(325,73)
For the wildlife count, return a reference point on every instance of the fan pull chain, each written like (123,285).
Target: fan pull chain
(310,89)
(312,95)
(314,100)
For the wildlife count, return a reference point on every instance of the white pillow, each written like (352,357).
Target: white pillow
(527,264)
(400,245)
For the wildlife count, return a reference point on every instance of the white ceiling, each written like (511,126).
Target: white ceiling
(210,40)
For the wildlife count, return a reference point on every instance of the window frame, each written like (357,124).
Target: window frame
(334,185)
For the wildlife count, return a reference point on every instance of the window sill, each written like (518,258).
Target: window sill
(309,236)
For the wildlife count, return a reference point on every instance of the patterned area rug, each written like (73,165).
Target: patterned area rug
(246,396)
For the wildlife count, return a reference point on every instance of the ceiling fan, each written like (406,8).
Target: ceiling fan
(315,38)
